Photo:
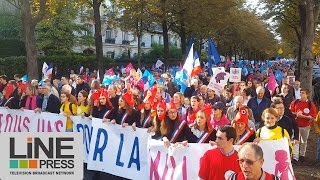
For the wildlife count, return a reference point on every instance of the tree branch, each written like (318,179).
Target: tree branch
(41,14)
(14,3)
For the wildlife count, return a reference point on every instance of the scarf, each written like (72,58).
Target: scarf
(31,102)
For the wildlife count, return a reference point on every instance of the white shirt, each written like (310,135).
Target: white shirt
(297,93)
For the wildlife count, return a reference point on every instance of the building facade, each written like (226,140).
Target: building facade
(117,43)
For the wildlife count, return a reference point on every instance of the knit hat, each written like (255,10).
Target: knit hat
(128,98)
(242,116)
(171,105)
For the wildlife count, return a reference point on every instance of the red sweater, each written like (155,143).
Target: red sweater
(303,106)
(214,165)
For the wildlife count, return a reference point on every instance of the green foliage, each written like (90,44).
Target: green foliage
(10,36)
(59,33)
(157,53)
(14,65)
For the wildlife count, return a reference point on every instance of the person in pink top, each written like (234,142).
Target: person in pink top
(219,117)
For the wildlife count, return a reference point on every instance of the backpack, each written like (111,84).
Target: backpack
(70,108)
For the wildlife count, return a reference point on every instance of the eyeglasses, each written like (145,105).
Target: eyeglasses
(172,112)
(247,161)
(63,96)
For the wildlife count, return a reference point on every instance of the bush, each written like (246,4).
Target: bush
(13,65)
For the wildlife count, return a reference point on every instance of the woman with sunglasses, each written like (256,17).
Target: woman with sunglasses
(219,117)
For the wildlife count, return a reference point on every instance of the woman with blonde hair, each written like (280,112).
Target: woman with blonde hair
(68,109)
(271,130)
(178,100)
(31,99)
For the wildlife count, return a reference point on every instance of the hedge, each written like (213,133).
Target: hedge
(17,65)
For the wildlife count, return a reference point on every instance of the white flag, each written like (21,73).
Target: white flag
(159,63)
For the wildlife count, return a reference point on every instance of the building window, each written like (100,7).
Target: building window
(125,38)
(109,37)
(110,54)
(159,40)
(152,40)
(89,30)
(143,44)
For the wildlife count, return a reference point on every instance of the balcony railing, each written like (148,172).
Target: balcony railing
(110,41)
(125,42)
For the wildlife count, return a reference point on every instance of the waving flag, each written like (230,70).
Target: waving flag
(188,65)
(47,70)
(148,79)
(197,66)
(128,68)
(109,72)
(24,78)
(272,84)
(81,70)
(159,63)
(213,56)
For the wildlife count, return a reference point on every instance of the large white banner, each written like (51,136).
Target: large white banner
(83,125)
(182,163)
(119,151)
(29,121)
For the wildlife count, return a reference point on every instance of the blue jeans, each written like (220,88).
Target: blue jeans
(318,149)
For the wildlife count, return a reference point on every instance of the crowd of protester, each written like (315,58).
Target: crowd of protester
(199,115)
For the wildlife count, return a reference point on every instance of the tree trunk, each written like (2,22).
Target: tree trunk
(98,37)
(307,34)
(165,41)
(183,40)
(139,36)
(30,40)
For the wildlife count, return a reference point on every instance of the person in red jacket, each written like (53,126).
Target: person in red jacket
(215,163)
(251,161)
(305,112)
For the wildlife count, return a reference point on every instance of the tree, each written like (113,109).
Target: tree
(134,16)
(32,12)
(59,33)
(306,28)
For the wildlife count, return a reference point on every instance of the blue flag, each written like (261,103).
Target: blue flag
(213,56)
(148,77)
(24,78)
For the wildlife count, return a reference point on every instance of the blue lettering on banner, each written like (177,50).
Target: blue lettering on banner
(118,162)
(87,134)
(135,149)
(97,149)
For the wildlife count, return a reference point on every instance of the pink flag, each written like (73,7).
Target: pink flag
(228,62)
(109,72)
(272,84)
(128,68)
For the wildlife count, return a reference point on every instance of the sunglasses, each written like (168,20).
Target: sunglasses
(247,161)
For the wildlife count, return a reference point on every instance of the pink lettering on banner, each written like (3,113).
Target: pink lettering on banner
(46,126)
(14,123)
(154,165)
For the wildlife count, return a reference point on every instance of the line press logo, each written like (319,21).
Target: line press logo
(41,155)
(55,159)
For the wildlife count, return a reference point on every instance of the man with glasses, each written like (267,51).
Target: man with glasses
(251,162)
